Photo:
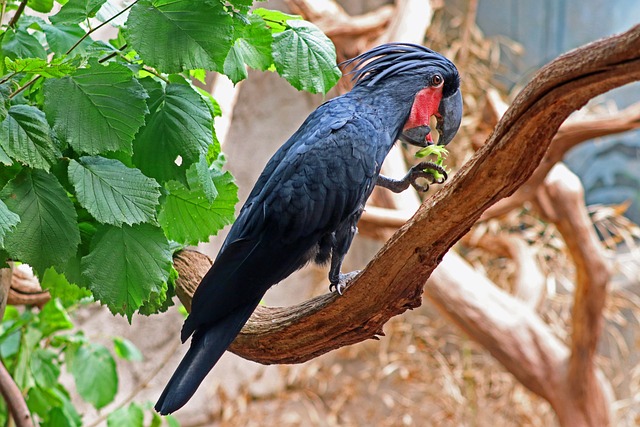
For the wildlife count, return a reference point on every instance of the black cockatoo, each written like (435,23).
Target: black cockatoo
(307,201)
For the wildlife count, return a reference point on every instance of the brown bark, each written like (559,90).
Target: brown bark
(566,194)
(25,289)
(8,388)
(565,376)
(393,280)
(569,135)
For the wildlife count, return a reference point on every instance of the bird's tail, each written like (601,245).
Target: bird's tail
(206,348)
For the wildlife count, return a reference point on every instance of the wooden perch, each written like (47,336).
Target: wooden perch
(393,281)
(515,336)
(569,135)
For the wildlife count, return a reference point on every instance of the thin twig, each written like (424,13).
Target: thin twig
(93,30)
(19,11)
(112,54)
(9,77)
(14,399)
(26,85)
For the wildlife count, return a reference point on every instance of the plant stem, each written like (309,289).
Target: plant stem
(26,85)
(9,77)
(19,11)
(92,30)
(14,399)
(156,73)
(112,54)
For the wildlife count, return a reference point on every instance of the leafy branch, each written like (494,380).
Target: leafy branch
(105,164)
(74,46)
(93,30)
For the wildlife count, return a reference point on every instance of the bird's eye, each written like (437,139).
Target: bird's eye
(436,80)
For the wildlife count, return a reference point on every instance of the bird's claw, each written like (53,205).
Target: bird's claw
(424,170)
(343,281)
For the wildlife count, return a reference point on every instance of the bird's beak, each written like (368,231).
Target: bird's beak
(449,117)
(418,136)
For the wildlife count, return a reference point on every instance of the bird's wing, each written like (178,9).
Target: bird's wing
(314,183)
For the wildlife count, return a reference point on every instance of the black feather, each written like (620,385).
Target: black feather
(387,60)
(305,204)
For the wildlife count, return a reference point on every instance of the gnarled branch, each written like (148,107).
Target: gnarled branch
(393,281)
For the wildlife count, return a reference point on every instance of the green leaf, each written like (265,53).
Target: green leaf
(20,44)
(172,421)
(60,288)
(276,21)
(129,416)
(113,193)
(62,37)
(306,57)
(204,178)
(44,367)
(8,221)
(54,407)
(53,318)
(103,108)
(187,216)
(56,68)
(22,374)
(94,372)
(47,234)
(160,300)
(76,11)
(4,158)
(177,35)
(156,419)
(61,417)
(42,6)
(24,135)
(180,124)
(108,12)
(252,47)
(241,5)
(5,102)
(138,260)
(127,350)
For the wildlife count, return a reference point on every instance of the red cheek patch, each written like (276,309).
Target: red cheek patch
(424,106)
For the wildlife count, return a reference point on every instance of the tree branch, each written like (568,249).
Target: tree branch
(566,195)
(569,135)
(393,281)
(8,388)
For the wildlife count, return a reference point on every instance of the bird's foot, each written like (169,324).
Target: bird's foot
(343,281)
(429,170)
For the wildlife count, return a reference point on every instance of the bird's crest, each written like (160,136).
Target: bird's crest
(390,59)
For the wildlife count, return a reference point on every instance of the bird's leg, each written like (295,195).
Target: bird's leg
(343,237)
(342,281)
(421,170)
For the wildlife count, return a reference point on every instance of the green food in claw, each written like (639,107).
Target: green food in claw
(440,152)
